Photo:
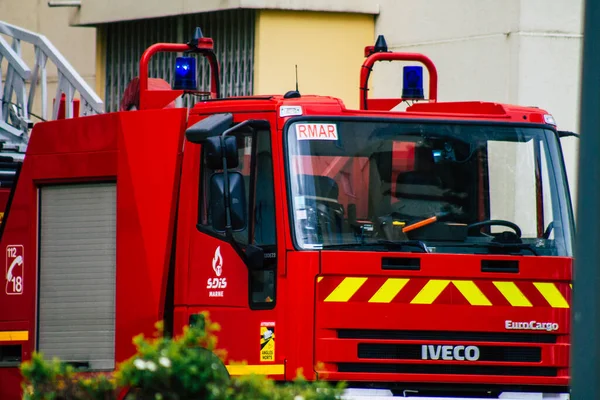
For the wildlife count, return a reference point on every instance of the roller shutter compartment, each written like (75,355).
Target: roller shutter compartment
(76,300)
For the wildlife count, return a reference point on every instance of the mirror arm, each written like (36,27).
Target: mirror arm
(236,127)
(241,253)
(238,249)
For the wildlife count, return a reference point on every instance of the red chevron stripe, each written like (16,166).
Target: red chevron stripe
(492,293)
(410,290)
(532,294)
(368,289)
(328,285)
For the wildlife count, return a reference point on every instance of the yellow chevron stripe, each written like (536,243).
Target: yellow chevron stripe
(14,336)
(345,289)
(551,294)
(513,294)
(430,291)
(388,290)
(472,293)
(570,284)
(319,279)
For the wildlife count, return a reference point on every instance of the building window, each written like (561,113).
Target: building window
(231,30)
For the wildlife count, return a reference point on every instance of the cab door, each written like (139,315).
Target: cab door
(240,300)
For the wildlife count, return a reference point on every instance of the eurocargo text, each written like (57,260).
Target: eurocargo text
(531,326)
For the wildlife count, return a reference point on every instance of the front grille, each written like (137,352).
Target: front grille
(414,352)
(438,369)
(499,337)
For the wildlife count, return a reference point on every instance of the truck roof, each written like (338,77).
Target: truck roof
(313,105)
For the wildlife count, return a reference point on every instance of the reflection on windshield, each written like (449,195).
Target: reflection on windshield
(455,187)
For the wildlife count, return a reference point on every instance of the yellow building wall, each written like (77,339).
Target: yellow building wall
(327,47)
(101,61)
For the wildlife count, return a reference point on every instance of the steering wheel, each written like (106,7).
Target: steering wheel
(327,215)
(499,222)
(548,230)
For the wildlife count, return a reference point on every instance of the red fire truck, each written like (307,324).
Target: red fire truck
(417,252)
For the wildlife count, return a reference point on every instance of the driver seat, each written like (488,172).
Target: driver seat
(421,192)
(323,193)
(320,187)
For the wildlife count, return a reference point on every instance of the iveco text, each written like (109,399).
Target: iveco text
(460,353)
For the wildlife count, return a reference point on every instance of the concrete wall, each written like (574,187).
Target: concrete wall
(77,45)
(327,47)
(93,12)
(525,52)
(517,51)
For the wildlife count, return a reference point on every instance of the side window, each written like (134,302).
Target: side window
(262,283)
(256,165)
(512,184)
(520,186)
(264,204)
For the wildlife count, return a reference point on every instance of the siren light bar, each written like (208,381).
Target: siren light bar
(185,71)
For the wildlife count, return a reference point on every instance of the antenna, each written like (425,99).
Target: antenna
(292,94)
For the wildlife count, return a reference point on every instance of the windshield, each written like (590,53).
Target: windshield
(434,187)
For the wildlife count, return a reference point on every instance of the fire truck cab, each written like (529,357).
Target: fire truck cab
(424,252)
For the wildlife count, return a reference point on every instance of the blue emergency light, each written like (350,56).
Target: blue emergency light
(413,83)
(185,74)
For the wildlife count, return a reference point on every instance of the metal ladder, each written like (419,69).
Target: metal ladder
(18,90)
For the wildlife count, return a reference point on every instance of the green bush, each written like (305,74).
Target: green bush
(54,380)
(188,367)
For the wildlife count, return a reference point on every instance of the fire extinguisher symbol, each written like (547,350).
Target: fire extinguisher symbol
(15,269)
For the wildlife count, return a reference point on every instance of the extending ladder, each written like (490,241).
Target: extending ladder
(18,89)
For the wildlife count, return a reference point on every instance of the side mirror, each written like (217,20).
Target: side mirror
(219,196)
(213,125)
(563,134)
(215,150)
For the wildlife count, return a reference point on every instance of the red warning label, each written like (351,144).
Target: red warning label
(15,269)
(316,132)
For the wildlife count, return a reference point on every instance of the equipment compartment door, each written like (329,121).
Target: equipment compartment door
(76,314)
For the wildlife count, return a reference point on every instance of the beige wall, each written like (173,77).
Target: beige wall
(94,12)
(525,52)
(77,45)
(517,51)
(327,47)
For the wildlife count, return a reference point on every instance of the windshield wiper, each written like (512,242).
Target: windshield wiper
(501,246)
(398,244)
(388,244)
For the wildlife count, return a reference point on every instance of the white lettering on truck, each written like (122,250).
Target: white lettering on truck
(449,353)
(313,131)
(531,326)
(219,282)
